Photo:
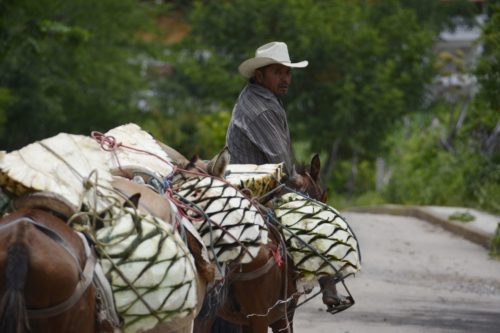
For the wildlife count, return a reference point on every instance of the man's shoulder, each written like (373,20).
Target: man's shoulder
(255,100)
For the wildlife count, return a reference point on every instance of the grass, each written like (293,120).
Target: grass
(461,217)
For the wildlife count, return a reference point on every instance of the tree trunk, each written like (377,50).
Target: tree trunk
(326,171)
(379,173)
(351,184)
(491,142)
(456,126)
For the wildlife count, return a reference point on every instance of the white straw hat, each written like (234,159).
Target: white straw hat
(270,53)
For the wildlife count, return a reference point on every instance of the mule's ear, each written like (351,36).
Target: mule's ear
(217,165)
(315,167)
(133,201)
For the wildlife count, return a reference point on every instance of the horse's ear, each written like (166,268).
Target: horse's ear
(192,162)
(133,201)
(217,165)
(315,167)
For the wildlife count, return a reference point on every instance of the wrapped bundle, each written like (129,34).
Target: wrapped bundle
(235,229)
(259,179)
(138,150)
(318,238)
(150,269)
(72,166)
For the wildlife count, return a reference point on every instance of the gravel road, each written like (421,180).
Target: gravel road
(416,277)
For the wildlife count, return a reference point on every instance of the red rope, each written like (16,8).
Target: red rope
(109,143)
(275,250)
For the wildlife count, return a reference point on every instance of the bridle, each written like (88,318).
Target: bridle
(86,275)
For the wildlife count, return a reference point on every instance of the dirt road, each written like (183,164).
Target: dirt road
(416,277)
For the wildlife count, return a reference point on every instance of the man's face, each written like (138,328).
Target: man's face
(275,77)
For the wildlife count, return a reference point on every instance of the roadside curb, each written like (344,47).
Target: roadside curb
(462,229)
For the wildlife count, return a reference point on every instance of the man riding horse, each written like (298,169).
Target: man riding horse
(258,131)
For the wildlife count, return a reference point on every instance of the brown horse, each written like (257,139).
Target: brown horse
(263,293)
(46,275)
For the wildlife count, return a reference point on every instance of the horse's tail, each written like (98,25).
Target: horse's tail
(13,312)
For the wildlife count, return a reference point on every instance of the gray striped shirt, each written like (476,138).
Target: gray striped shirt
(258,131)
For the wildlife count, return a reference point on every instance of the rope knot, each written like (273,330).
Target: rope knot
(87,184)
(107,142)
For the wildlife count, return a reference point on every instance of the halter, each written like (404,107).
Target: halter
(86,275)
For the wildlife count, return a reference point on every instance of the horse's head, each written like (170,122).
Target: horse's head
(306,180)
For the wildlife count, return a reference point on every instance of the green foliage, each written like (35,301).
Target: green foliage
(441,15)
(366,69)
(83,65)
(342,177)
(67,66)
(488,69)
(461,217)
(190,133)
(426,173)
(467,171)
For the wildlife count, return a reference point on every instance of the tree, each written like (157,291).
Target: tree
(486,123)
(364,72)
(67,66)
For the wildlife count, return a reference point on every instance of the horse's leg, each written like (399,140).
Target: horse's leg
(257,325)
(202,325)
(284,325)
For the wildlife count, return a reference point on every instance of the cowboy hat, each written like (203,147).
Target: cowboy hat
(270,53)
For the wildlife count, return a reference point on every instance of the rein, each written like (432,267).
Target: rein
(86,275)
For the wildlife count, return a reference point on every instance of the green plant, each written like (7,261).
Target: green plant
(461,217)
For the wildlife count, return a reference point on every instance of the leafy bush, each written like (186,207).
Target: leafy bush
(426,173)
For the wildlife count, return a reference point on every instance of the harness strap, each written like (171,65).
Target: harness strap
(49,233)
(86,275)
(107,312)
(81,287)
(246,276)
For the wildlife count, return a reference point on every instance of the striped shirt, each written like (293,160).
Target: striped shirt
(258,131)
